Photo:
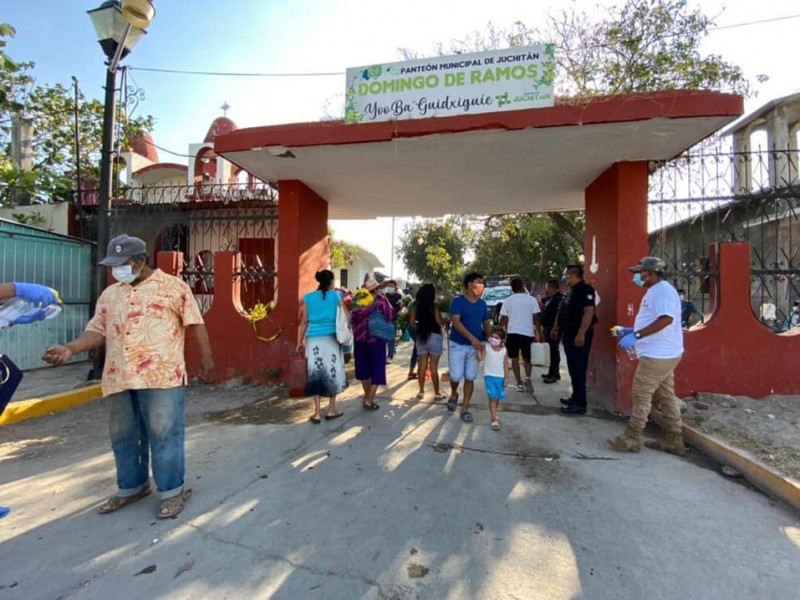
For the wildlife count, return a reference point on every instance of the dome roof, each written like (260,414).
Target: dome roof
(143,145)
(220,126)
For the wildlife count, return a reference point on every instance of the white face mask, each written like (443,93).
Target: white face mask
(388,290)
(125,274)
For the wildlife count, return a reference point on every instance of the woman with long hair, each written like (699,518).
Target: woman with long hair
(369,352)
(430,342)
(317,340)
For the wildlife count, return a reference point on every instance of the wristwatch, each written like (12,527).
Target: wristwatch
(637,335)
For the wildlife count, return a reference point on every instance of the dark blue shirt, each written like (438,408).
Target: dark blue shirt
(472,314)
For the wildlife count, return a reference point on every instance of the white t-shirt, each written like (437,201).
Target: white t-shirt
(494,361)
(520,308)
(661,299)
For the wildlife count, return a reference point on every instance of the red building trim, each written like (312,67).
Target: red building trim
(604,109)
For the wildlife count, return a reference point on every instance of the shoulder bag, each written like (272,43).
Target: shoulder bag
(344,335)
(380,327)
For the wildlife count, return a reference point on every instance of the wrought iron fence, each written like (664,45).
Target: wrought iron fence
(199,221)
(701,199)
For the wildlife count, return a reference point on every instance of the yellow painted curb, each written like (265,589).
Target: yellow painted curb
(39,407)
(760,475)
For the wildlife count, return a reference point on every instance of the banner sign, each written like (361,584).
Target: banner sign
(498,80)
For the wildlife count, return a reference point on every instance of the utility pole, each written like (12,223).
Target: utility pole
(391,254)
(78,183)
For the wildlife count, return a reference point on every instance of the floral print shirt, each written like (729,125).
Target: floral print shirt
(144,330)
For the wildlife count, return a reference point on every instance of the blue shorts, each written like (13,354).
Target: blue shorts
(495,387)
(463,362)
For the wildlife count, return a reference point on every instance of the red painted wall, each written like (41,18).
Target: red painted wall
(733,353)
(616,219)
(302,251)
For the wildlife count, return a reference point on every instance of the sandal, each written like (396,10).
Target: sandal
(412,376)
(496,425)
(315,420)
(372,406)
(172,507)
(440,396)
(451,404)
(420,396)
(466,416)
(333,416)
(116,501)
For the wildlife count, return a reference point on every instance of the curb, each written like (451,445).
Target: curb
(760,475)
(40,407)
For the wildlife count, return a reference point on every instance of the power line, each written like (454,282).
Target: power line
(340,73)
(231,74)
(746,23)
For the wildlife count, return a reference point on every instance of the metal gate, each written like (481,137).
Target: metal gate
(705,198)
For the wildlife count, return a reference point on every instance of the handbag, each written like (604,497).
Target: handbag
(10,376)
(380,327)
(344,335)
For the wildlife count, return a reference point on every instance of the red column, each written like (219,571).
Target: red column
(170,262)
(616,238)
(302,251)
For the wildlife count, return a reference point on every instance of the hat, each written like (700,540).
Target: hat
(122,248)
(649,263)
(370,284)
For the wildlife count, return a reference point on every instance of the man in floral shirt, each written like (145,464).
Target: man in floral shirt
(141,321)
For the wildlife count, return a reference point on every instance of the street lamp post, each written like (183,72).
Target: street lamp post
(119,26)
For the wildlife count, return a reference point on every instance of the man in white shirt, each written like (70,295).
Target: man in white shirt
(520,318)
(657,337)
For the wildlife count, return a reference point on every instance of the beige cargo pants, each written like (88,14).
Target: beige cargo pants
(654,387)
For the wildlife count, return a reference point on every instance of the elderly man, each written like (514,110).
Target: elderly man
(141,322)
(657,337)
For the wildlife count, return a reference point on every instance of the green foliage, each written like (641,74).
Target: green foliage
(433,250)
(530,245)
(51,108)
(343,254)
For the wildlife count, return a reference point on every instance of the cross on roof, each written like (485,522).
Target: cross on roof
(225,106)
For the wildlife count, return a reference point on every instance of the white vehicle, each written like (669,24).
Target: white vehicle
(494,297)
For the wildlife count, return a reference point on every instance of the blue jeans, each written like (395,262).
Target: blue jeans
(145,422)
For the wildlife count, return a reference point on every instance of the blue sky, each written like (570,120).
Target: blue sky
(304,36)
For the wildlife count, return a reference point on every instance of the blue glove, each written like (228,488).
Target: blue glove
(628,341)
(39,295)
(31,317)
(621,331)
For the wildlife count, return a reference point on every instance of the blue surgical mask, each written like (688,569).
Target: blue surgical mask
(637,279)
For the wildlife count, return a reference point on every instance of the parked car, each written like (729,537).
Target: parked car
(494,297)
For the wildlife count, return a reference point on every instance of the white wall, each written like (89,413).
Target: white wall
(54,217)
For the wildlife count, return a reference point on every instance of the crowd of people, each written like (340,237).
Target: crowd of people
(142,319)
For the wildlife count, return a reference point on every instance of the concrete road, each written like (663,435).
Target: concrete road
(401,503)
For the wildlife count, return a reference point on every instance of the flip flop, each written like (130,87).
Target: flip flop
(315,420)
(372,406)
(412,376)
(496,425)
(332,417)
(420,396)
(116,501)
(441,397)
(172,507)
(466,416)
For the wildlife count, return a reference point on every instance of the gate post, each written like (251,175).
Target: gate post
(616,238)
(302,251)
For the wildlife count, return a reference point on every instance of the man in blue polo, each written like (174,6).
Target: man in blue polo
(470,325)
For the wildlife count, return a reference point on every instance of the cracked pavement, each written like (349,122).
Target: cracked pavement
(406,502)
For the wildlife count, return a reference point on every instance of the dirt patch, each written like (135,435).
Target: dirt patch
(769,428)
(277,408)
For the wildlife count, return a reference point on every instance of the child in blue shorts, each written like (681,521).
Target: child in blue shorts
(495,371)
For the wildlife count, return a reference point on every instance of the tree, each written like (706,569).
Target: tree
(528,245)
(51,109)
(343,254)
(433,250)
